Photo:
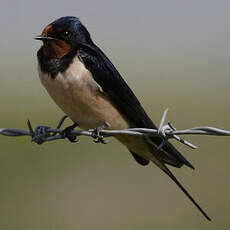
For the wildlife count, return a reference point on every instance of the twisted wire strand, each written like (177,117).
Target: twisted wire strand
(165,131)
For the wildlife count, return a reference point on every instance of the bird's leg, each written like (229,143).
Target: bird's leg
(67,133)
(97,134)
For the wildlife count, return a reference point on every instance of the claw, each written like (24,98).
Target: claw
(96,134)
(100,140)
(67,133)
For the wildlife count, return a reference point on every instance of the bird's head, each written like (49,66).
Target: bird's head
(62,36)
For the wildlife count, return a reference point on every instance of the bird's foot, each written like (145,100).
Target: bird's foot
(67,133)
(96,134)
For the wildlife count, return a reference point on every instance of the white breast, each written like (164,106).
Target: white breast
(81,98)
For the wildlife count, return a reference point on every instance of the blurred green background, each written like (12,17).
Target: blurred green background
(173,54)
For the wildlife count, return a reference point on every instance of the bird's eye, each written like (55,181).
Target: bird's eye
(65,33)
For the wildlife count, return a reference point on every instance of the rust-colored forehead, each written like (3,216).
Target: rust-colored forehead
(48,30)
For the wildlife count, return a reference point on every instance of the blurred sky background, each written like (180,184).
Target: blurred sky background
(173,54)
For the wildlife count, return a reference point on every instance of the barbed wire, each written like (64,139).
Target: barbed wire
(167,131)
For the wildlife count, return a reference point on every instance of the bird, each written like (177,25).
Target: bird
(85,84)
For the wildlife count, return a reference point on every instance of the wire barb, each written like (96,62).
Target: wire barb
(160,129)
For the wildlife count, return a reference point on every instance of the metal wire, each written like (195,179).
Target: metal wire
(43,134)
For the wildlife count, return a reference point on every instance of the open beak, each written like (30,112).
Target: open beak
(44,37)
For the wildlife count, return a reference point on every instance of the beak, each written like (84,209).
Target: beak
(44,37)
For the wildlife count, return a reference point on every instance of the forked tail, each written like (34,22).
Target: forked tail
(169,173)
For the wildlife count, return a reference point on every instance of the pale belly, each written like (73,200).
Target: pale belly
(82,99)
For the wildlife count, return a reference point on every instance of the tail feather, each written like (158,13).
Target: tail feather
(170,174)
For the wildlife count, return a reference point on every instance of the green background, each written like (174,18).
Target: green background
(172,54)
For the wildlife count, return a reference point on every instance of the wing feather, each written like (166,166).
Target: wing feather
(107,76)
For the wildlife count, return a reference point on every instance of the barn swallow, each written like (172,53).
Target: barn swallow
(88,88)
